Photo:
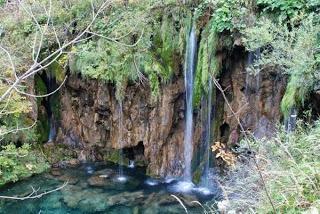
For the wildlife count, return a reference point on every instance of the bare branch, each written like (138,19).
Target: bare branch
(117,42)
(43,95)
(10,60)
(181,203)
(246,136)
(34,194)
(18,129)
(38,66)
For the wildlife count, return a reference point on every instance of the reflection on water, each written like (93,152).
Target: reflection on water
(100,192)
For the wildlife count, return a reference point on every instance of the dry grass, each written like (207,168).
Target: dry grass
(290,165)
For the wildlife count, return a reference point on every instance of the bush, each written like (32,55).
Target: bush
(293,10)
(142,41)
(290,165)
(18,163)
(293,51)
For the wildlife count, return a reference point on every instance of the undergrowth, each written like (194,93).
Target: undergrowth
(17,163)
(290,165)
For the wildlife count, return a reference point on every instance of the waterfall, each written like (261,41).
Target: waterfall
(207,135)
(253,81)
(252,89)
(51,85)
(290,122)
(52,128)
(121,176)
(131,164)
(189,69)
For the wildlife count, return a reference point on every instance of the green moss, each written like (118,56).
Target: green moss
(207,63)
(43,127)
(150,48)
(57,152)
(40,87)
(296,92)
(292,51)
(197,174)
(57,69)
(114,157)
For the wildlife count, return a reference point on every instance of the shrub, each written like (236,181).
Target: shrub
(131,48)
(18,163)
(291,10)
(292,51)
(290,166)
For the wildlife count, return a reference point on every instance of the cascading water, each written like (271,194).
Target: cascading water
(252,80)
(121,176)
(190,64)
(51,88)
(290,122)
(252,88)
(131,164)
(48,102)
(207,135)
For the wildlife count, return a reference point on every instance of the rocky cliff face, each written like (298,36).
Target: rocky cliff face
(255,99)
(153,130)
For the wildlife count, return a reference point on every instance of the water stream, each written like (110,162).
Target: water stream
(290,122)
(48,102)
(252,80)
(207,135)
(121,176)
(190,64)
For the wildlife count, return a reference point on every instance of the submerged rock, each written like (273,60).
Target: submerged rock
(55,172)
(94,203)
(88,200)
(105,173)
(98,180)
(68,178)
(127,198)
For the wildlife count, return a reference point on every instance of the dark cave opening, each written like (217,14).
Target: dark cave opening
(224,132)
(135,153)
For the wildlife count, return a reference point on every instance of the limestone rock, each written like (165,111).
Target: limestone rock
(90,117)
(98,180)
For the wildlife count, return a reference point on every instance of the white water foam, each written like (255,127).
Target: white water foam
(183,186)
(121,179)
(203,191)
(152,182)
(131,164)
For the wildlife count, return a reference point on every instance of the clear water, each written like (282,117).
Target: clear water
(190,64)
(93,188)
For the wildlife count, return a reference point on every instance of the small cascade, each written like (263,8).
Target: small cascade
(252,80)
(207,135)
(52,125)
(190,63)
(48,102)
(131,164)
(290,122)
(252,89)
(121,176)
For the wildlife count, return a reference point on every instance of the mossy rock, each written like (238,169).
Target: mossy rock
(115,157)
(57,152)
(196,178)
